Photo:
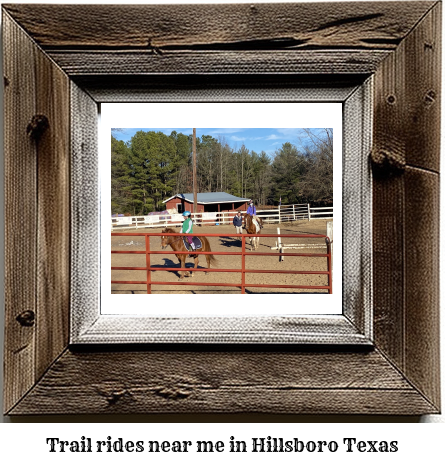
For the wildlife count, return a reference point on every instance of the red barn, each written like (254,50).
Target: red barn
(207,202)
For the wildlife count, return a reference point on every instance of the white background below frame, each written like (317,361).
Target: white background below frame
(217,115)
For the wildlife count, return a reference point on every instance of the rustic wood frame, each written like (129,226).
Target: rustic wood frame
(67,57)
(92,324)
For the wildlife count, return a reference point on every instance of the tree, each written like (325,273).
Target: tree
(207,149)
(154,165)
(184,173)
(120,195)
(262,177)
(153,169)
(317,183)
(286,174)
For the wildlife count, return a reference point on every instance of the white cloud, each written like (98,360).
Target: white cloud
(290,132)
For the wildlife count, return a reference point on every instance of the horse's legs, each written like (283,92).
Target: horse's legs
(182,265)
(208,262)
(187,274)
(181,274)
(196,264)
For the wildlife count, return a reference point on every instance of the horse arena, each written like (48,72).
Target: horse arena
(223,244)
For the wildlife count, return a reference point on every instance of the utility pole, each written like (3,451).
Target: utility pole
(195,193)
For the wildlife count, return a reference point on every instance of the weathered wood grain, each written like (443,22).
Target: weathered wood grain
(388,275)
(89,327)
(421,211)
(218,87)
(407,118)
(85,211)
(389,144)
(406,132)
(216,62)
(422,255)
(399,42)
(20,213)
(423,92)
(356,214)
(275,26)
(219,381)
(53,232)
(37,159)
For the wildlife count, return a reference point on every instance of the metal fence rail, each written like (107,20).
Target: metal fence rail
(149,282)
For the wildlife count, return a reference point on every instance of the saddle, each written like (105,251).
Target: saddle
(196,242)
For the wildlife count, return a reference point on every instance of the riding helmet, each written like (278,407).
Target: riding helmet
(186,213)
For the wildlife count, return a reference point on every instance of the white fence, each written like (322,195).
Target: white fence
(282,246)
(282,214)
(321,213)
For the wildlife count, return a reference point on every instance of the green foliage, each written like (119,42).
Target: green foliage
(120,195)
(286,174)
(153,166)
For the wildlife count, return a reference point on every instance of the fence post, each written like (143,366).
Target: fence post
(280,246)
(328,246)
(279,214)
(309,211)
(147,262)
(293,209)
(243,265)
(329,230)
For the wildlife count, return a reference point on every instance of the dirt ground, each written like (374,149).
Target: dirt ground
(223,244)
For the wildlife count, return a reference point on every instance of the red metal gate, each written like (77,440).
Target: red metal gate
(242,285)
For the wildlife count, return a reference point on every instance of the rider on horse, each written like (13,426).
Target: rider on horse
(251,210)
(187,228)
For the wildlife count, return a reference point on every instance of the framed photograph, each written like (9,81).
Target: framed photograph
(367,342)
(210,303)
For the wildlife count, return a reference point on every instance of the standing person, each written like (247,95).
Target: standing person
(238,222)
(251,210)
(187,228)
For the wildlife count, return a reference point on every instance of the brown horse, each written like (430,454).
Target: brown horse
(251,228)
(177,244)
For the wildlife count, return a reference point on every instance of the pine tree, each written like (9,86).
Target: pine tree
(120,194)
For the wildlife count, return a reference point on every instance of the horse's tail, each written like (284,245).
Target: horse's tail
(211,258)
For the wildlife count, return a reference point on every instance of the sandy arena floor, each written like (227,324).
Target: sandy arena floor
(223,244)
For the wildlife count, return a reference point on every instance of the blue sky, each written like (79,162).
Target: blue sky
(257,139)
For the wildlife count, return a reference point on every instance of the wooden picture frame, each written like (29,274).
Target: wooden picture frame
(56,72)
(92,322)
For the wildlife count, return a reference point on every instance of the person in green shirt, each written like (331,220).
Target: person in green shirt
(187,228)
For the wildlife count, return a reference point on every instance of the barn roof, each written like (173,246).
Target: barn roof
(209,197)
